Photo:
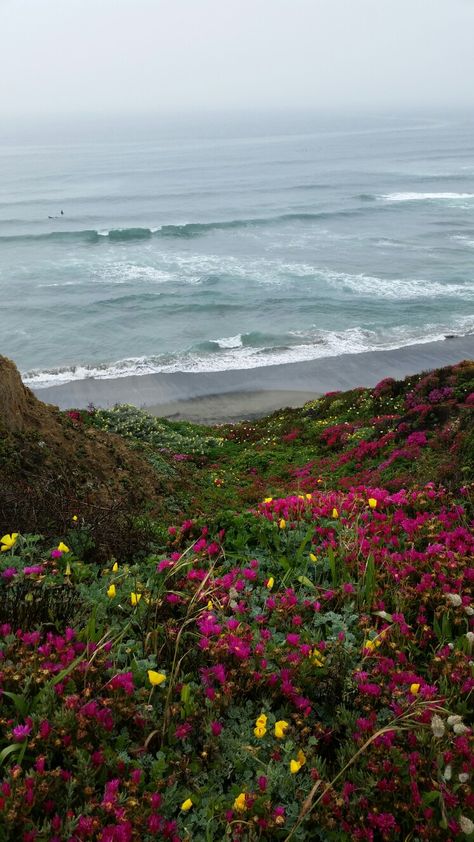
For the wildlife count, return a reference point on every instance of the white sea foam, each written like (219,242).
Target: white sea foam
(399,288)
(466,241)
(422,197)
(229,341)
(313,345)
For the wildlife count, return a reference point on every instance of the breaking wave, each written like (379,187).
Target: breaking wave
(255,350)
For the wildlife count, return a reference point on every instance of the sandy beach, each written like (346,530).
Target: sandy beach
(220,396)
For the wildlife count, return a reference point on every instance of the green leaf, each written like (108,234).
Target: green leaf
(303,580)
(19,701)
(11,749)
(429,797)
(332,566)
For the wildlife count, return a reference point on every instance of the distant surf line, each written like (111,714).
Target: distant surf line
(186,230)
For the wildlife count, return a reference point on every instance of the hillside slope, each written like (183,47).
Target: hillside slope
(281,650)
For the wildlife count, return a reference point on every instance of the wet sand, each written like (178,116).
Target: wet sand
(231,406)
(219,396)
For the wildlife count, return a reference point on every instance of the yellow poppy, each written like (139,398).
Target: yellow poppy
(115,567)
(156,678)
(270,583)
(135,598)
(282,523)
(239,803)
(414,688)
(313,557)
(186,805)
(9,541)
(280,728)
(372,502)
(260,726)
(317,658)
(295,766)
(111,591)
(63,548)
(335,513)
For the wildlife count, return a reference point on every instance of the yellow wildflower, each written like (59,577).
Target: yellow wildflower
(135,598)
(282,523)
(301,758)
(295,766)
(313,557)
(67,572)
(317,658)
(115,567)
(280,728)
(309,496)
(63,548)
(156,678)
(75,518)
(210,605)
(9,541)
(270,583)
(335,513)
(186,805)
(268,499)
(239,803)
(372,502)
(414,688)
(111,591)
(260,726)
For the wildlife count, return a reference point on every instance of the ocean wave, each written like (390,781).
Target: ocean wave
(228,341)
(463,239)
(186,230)
(299,279)
(247,353)
(426,197)
(398,289)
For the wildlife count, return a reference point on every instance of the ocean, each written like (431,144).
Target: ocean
(226,242)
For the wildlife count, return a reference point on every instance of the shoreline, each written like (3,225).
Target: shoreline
(240,393)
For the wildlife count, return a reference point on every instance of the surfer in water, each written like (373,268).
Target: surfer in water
(56,217)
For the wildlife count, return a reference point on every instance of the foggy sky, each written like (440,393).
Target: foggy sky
(63,56)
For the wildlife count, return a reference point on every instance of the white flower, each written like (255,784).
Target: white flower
(453,720)
(447,773)
(454,599)
(460,728)
(466,825)
(469,611)
(463,777)
(437,726)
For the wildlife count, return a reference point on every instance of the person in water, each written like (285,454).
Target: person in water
(56,217)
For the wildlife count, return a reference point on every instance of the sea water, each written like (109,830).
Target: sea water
(231,241)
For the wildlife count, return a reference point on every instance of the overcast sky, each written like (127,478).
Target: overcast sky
(62,56)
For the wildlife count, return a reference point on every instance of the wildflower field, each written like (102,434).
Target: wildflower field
(278,645)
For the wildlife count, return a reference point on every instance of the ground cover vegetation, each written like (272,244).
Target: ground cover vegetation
(274,642)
